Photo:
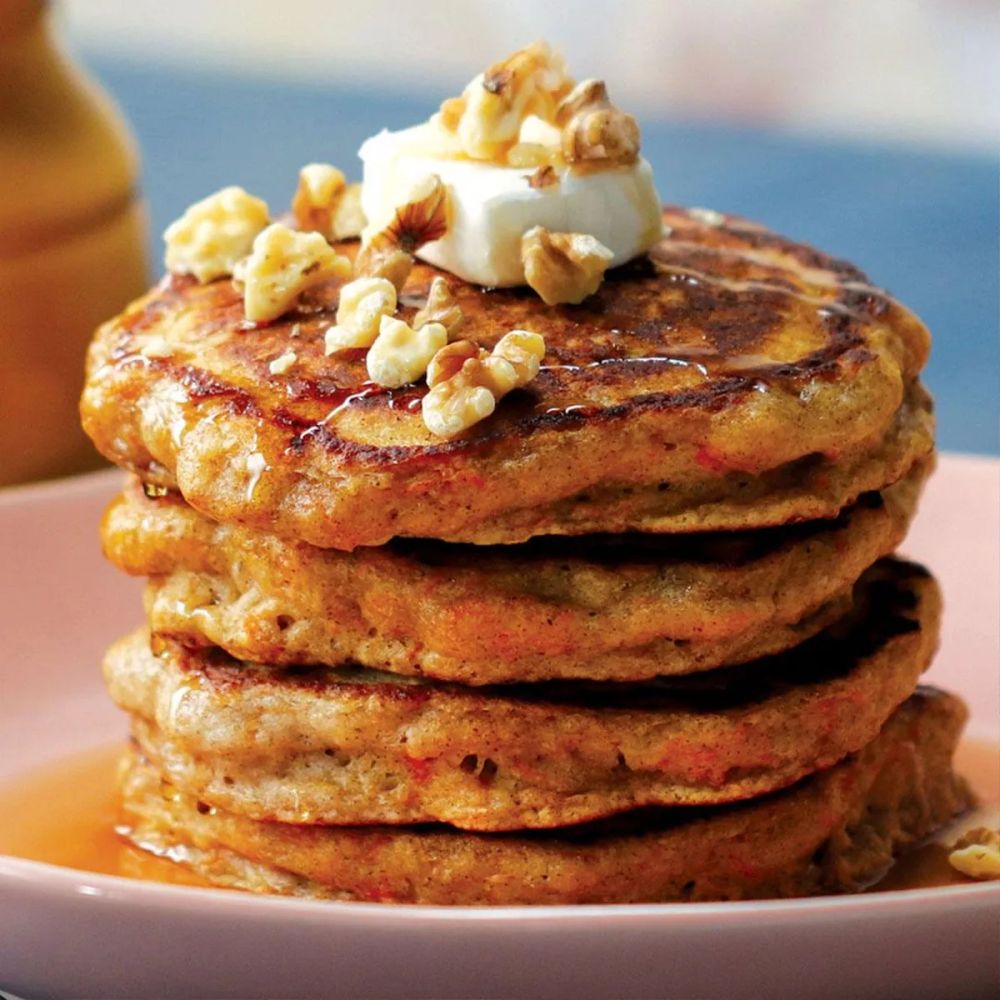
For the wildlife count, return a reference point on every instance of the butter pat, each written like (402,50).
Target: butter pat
(493,204)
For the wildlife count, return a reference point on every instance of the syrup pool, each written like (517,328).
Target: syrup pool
(65,814)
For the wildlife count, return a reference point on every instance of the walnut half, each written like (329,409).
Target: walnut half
(467,382)
(563,267)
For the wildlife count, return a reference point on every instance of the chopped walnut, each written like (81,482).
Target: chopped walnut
(594,128)
(588,93)
(401,354)
(466,382)
(348,216)
(523,351)
(363,303)
(325,203)
(320,188)
(214,234)
(530,154)
(441,308)
(538,145)
(387,252)
(537,131)
(543,177)
(450,359)
(422,219)
(385,262)
(283,363)
(456,404)
(977,854)
(284,264)
(487,117)
(563,267)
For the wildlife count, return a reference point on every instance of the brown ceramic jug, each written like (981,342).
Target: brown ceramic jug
(72,241)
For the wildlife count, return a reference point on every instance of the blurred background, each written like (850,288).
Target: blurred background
(922,70)
(868,127)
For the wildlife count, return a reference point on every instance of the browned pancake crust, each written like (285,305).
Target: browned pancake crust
(835,832)
(342,746)
(732,379)
(621,608)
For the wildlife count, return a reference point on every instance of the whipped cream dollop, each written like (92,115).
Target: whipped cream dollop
(492,205)
(522,147)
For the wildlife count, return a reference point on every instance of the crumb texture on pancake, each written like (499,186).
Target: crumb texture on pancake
(348,745)
(731,379)
(835,832)
(621,608)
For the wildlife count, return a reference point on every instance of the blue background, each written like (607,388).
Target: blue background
(923,224)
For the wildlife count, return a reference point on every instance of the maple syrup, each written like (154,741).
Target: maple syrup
(65,814)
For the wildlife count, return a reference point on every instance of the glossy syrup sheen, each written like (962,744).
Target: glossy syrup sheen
(65,814)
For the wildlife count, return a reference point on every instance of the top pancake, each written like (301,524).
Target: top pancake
(731,379)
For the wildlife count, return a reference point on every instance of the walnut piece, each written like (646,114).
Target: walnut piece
(363,303)
(523,351)
(385,262)
(563,267)
(325,203)
(320,188)
(487,117)
(283,363)
(285,263)
(348,216)
(441,308)
(457,403)
(401,354)
(588,93)
(977,854)
(531,154)
(543,177)
(388,251)
(594,129)
(450,359)
(467,382)
(539,144)
(421,219)
(214,234)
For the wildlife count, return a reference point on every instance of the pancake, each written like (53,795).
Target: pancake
(837,831)
(731,379)
(621,608)
(326,745)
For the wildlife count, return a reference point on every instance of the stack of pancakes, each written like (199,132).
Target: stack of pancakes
(639,636)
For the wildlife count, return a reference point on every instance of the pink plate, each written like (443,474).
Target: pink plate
(69,933)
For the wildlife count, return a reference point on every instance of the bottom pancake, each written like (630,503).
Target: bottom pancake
(835,832)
